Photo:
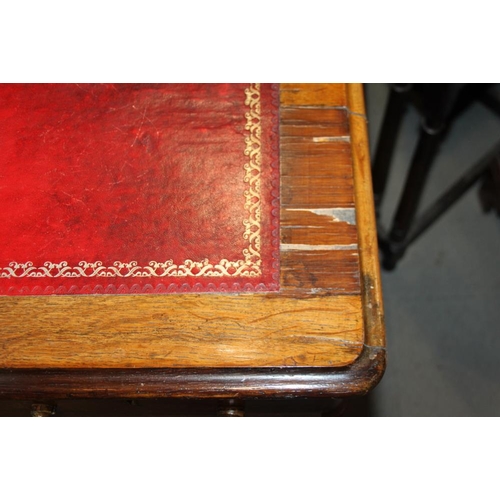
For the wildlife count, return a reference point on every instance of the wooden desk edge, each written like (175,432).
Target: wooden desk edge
(41,385)
(365,214)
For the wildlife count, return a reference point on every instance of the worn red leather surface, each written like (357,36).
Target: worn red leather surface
(138,188)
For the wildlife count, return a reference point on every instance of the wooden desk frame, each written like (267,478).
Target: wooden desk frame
(346,368)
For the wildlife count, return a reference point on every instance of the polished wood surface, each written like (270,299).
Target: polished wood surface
(328,313)
(373,310)
(324,95)
(38,385)
(214,330)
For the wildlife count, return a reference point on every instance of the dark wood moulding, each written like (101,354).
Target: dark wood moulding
(39,385)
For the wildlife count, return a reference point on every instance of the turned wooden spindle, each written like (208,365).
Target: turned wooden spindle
(43,410)
(231,408)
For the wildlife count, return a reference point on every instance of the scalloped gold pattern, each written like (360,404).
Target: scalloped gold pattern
(248,266)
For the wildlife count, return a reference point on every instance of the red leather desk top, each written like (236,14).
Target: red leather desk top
(138,188)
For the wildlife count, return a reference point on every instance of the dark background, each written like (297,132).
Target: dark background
(442,302)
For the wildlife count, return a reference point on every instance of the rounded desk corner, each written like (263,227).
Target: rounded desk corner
(356,379)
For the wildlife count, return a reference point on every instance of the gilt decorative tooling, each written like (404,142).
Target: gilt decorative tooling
(138,188)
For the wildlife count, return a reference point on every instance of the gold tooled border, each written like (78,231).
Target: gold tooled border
(249,266)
